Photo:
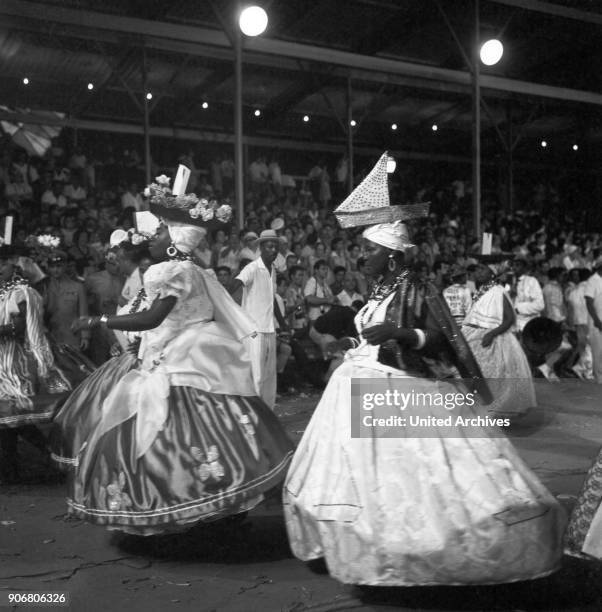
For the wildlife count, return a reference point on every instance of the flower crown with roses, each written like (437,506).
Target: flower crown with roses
(186,208)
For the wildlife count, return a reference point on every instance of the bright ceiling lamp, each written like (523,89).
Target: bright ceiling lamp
(253,21)
(391,164)
(491,52)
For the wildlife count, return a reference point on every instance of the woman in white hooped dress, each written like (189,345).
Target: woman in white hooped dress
(411,511)
(488,329)
(183,438)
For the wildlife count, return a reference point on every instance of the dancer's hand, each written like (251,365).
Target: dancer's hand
(134,347)
(487,339)
(339,346)
(377,334)
(83,323)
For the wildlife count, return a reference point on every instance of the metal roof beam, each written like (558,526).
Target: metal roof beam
(554,9)
(283,49)
(219,137)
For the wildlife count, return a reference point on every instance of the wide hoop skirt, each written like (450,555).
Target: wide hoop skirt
(415,511)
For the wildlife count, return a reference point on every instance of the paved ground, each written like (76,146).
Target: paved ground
(250,568)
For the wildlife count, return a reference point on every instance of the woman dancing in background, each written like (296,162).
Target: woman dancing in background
(32,385)
(488,329)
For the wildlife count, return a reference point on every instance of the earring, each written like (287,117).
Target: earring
(392,263)
(171,251)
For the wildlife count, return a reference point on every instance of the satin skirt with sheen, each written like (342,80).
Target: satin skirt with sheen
(78,417)
(45,394)
(214,456)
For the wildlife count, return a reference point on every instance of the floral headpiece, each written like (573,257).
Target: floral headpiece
(186,208)
(137,237)
(44,247)
(43,241)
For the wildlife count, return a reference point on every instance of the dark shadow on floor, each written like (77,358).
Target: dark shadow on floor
(257,539)
(577,586)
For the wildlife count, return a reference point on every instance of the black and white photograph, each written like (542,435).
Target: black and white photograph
(301,305)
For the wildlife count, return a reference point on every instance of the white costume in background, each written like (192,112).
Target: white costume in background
(459,300)
(593,290)
(528,302)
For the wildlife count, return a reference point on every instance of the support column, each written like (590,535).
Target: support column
(349,137)
(510,159)
(147,153)
(238,149)
(476,128)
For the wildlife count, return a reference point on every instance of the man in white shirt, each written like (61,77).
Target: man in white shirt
(578,319)
(257,280)
(132,199)
(526,295)
(593,301)
(318,295)
(349,295)
(75,192)
(54,196)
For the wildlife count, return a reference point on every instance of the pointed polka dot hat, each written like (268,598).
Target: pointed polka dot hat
(369,202)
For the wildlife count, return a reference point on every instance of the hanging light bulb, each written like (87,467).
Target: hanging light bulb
(149,96)
(90,86)
(253,21)
(353,123)
(544,144)
(205,105)
(391,164)
(25,81)
(491,52)
(575,147)
(434,127)
(394,126)
(305,118)
(257,112)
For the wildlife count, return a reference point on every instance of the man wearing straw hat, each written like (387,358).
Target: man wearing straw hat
(257,280)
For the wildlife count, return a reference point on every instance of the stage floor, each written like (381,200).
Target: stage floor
(251,568)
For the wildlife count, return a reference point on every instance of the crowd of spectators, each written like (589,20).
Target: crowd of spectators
(320,266)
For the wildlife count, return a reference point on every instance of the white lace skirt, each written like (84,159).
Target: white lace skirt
(415,511)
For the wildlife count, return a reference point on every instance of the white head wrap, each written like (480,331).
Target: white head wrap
(185,237)
(394,236)
(498,268)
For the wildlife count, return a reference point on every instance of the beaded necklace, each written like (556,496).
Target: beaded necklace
(179,256)
(483,289)
(136,303)
(7,286)
(380,293)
